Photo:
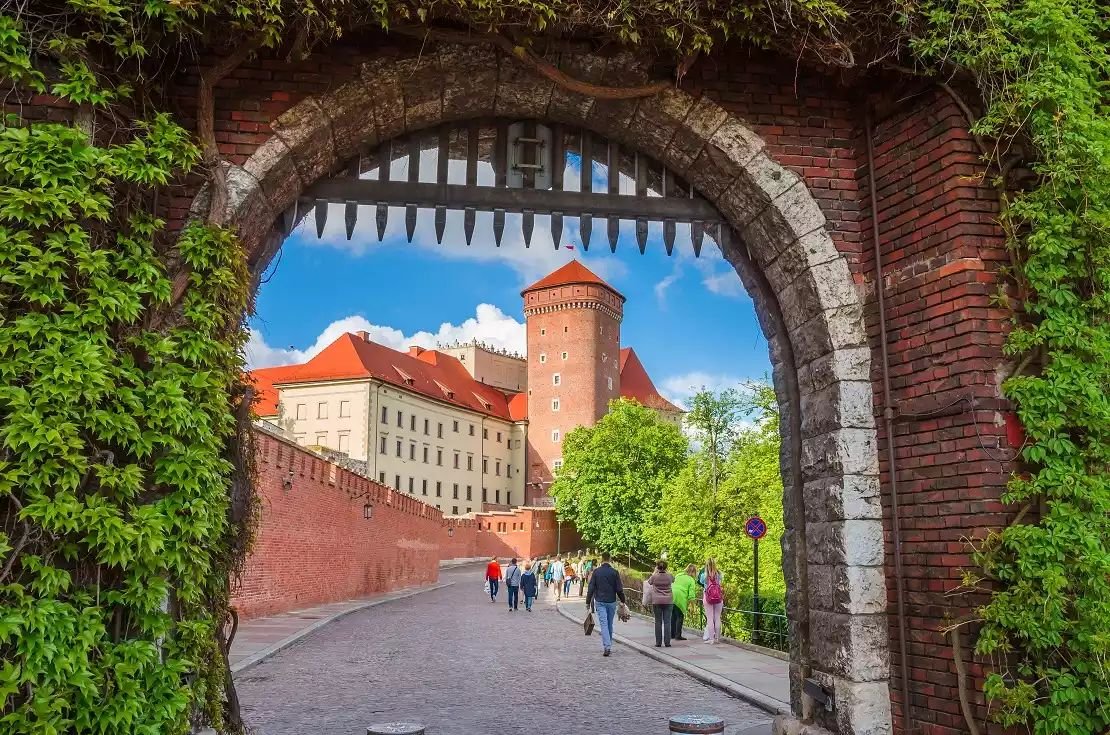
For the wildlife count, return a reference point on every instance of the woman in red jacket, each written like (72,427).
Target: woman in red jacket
(493,577)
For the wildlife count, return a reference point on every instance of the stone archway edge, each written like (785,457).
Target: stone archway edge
(783,232)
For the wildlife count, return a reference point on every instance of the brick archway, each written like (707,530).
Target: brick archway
(808,305)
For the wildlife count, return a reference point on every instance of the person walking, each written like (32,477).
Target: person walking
(685,588)
(662,601)
(512,585)
(570,572)
(546,572)
(585,566)
(558,574)
(529,586)
(602,594)
(493,576)
(714,600)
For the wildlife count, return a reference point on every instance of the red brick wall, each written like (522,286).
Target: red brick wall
(313,544)
(524,533)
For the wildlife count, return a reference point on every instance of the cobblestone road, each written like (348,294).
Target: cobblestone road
(462,666)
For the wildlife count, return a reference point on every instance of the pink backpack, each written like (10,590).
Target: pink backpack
(713,593)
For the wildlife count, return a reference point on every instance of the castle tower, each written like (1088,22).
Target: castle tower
(573,322)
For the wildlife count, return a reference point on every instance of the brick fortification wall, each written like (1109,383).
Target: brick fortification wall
(313,543)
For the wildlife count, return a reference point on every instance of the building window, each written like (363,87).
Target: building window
(508,470)
(400,420)
(557,465)
(497,496)
(381,477)
(456,460)
(322,410)
(485,495)
(412,422)
(455,428)
(424,487)
(543,358)
(567,329)
(412,451)
(299,439)
(344,409)
(470,461)
(485,433)
(425,455)
(344,441)
(385,415)
(455,491)
(556,380)
(398,447)
(555,435)
(426,425)
(564,355)
(302,412)
(554,404)
(411,481)
(509,498)
(439,490)
(397,482)
(499,437)
(439,431)
(322,439)
(454,510)
(439,457)
(497,468)
(485,466)
(543,332)
(469,492)
(609,382)
(472,429)
(383,445)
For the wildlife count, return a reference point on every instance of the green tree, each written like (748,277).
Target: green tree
(714,422)
(614,474)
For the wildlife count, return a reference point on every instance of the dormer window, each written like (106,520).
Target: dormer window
(405,377)
(446,391)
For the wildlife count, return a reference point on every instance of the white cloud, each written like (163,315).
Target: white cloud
(668,281)
(679,389)
(489,325)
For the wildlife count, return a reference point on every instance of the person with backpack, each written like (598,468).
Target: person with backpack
(585,566)
(529,586)
(493,578)
(512,584)
(570,576)
(662,600)
(714,600)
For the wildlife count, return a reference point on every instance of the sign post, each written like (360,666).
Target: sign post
(755,528)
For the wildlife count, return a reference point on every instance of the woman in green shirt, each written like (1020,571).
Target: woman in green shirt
(685,589)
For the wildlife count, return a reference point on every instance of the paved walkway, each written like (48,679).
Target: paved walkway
(758,677)
(450,659)
(262,637)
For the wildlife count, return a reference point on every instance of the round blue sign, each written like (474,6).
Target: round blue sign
(755,528)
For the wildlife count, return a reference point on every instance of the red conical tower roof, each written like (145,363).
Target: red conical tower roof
(572,272)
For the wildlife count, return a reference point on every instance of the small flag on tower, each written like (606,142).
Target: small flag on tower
(569,247)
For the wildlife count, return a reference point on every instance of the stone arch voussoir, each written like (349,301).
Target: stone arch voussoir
(810,309)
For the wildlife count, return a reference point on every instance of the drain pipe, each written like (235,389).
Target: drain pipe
(888,419)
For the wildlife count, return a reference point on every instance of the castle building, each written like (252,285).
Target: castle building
(467,427)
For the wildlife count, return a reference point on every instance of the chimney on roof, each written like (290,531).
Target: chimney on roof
(363,335)
(416,351)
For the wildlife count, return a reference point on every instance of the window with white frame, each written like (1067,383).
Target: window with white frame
(554,404)
(609,381)
(321,438)
(322,410)
(555,436)
(302,412)
(344,409)
(564,355)
(557,465)
(556,380)
(344,441)
(543,357)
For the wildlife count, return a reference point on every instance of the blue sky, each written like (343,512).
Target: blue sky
(688,319)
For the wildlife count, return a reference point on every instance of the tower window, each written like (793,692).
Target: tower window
(543,332)
(557,465)
(555,435)
(543,357)
(609,381)
(564,355)
(555,380)
(554,404)
(565,330)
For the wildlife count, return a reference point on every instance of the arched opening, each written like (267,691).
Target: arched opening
(808,306)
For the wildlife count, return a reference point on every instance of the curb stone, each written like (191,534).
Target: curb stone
(764,702)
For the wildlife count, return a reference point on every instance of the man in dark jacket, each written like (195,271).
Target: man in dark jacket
(512,584)
(603,592)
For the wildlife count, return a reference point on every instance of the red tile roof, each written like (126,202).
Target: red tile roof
(518,407)
(428,372)
(637,385)
(572,272)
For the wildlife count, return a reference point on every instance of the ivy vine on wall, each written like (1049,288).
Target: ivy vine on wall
(124,470)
